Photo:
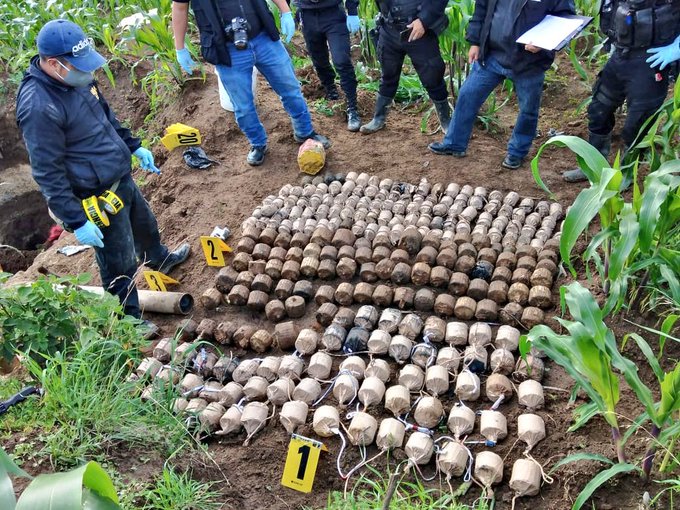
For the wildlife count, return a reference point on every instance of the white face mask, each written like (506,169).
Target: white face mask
(76,78)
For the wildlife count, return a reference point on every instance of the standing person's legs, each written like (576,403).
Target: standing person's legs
(646,90)
(391,57)
(427,60)
(529,90)
(317,47)
(335,27)
(475,90)
(117,259)
(429,65)
(238,81)
(609,92)
(272,60)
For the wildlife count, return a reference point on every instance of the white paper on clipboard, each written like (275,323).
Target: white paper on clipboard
(550,32)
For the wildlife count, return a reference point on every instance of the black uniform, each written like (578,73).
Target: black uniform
(424,52)
(324,26)
(633,26)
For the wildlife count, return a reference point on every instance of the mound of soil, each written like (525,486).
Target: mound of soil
(189,203)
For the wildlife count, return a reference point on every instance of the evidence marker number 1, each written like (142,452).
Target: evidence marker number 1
(301,463)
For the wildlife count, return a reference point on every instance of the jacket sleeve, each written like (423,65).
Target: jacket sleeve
(563,7)
(42,129)
(474,30)
(432,11)
(132,142)
(352,7)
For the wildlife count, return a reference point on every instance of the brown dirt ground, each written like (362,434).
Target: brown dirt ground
(189,203)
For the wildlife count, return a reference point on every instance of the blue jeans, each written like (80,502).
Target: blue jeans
(132,234)
(272,60)
(477,87)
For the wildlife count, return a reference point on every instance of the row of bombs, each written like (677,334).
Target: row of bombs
(369,206)
(234,407)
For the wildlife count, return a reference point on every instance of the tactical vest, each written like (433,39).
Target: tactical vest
(211,29)
(403,12)
(639,24)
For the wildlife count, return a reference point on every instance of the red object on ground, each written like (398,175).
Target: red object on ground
(55,232)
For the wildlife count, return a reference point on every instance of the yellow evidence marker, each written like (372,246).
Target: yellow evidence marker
(158,281)
(213,249)
(301,463)
(179,135)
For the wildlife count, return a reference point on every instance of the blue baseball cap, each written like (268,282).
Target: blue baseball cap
(63,38)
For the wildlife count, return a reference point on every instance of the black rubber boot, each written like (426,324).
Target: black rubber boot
(353,120)
(175,258)
(603,143)
(443,113)
(378,122)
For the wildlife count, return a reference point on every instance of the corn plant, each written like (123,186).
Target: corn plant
(632,245)
(590,355)
(86,487)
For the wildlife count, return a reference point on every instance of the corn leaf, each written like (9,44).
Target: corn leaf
(8,467)
(589,159)
(600,479)
(624,246)
(666,328)
(67,491)
(582,415)
(580,457)
(586,206)
(647,351)
(670,395)
(658,186)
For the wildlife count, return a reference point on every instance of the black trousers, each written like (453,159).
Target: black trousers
(133,233)
(626,78)
(424,54)
(325,29)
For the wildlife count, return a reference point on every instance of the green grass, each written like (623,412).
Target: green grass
(370,490)
(178,491)
(88,405)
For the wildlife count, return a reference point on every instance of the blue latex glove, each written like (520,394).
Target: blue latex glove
(185,60)
(146,160)
(353,24)
(90,234)
(664,55)
(287,26)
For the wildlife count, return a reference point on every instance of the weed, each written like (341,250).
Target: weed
(178,491)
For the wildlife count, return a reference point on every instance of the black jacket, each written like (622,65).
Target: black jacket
(352,6)
(430,13)
(76,146)
(529,15)
(213,40)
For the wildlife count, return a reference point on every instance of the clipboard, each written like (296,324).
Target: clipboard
(585,21)
(550,19)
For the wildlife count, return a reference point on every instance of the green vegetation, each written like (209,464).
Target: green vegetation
(633,257)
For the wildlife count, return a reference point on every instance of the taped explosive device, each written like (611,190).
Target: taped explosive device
(371,391)
(437,380)
(390,320)
(320,365)
(230,422)
(400,348)
(530,429)
(525,479)
(468,386)
(450,359)
(397,400)
(293,414)
(454,459)
(355,365)
(345,388)
(412,377)
(488,471)
(429,412)
(253,418)
(493,426)
(280,391)
(419,450)
(326,420)
(291,366)
(530,394)
(245,370)
(424,354)
(308,391)
(256,388)
(378,368)
(498,389)
(502,362)
(461,420)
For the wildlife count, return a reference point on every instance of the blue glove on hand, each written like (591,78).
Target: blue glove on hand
(287,26)
(146,160)
(90,234)
(664,55)
(353,24)
(185,60)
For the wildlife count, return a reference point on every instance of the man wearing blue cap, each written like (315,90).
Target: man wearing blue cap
(80,158)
